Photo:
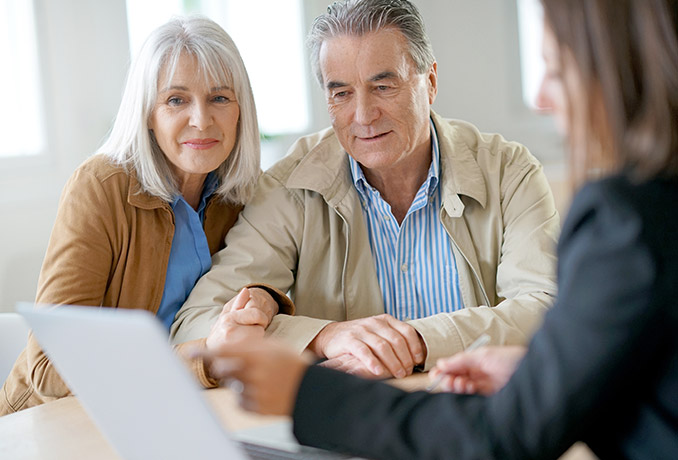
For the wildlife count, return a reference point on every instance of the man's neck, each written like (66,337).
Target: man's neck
(399,185)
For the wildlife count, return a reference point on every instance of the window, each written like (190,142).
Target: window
(21,122)
(270,38)
(530,22)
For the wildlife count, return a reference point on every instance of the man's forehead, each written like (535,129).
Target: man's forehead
(371,57)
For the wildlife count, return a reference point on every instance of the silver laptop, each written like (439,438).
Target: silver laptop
(119,364)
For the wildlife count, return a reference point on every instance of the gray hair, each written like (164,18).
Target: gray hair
(130,143)
(359,17)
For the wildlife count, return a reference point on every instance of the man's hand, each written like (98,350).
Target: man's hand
(245,316)
(351,365)
(485,370)
(379,346)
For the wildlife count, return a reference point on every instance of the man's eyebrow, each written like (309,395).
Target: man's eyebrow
(335,84)
(387,75)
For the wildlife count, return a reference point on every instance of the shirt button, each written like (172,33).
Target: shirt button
(403,267)
(387,218)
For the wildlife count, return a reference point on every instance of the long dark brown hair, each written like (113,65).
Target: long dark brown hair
(626,57)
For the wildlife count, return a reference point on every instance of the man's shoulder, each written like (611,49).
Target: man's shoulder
(458,136)
(315,151)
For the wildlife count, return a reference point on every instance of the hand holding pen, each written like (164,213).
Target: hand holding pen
(477,370)
(477,343)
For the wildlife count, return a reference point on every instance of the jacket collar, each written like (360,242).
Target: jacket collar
(140,199)
(461,174)
(325,171)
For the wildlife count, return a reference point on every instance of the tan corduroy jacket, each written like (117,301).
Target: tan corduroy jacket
(304,232)
(109,247)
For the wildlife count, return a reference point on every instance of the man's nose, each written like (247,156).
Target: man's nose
(367,109)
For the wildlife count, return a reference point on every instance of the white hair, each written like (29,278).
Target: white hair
(130,143)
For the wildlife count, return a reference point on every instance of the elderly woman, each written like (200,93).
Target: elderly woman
(138,222)
(603,368)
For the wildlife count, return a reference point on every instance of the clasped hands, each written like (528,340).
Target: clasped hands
(375,347)
(244,317)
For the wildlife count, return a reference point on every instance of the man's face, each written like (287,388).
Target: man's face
(378,104)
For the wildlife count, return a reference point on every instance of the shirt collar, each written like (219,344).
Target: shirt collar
(432,178)
(208,189)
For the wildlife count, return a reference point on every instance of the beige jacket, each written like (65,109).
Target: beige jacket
(110,246)
(304,232)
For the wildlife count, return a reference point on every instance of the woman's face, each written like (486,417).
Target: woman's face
(194,123)
(552,97)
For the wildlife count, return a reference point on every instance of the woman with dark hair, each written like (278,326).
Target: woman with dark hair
(603,368)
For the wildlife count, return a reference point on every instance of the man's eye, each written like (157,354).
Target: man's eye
(340,94)
(382,87)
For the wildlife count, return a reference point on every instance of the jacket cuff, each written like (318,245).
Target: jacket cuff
(285,304)
(440,337)
(296,331)
(196,365)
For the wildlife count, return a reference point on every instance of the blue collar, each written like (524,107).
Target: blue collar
(209,187)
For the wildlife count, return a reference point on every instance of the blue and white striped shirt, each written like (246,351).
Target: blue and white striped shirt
(415,264)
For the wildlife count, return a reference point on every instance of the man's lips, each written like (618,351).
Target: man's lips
(200,144)
(373,138)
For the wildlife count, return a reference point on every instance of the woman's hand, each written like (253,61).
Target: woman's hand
(245,316)
(266,374)
(485,370)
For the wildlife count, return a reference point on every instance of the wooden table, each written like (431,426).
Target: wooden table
(61,430)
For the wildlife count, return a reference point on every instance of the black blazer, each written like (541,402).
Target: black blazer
(602,369)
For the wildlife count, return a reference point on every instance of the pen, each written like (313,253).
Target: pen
(477,343)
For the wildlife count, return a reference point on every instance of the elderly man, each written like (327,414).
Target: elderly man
(400,236)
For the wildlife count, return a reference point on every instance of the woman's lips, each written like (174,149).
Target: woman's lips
(200,144)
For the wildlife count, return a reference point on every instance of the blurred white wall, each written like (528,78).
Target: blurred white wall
(85,53)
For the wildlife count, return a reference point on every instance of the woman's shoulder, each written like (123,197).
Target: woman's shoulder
(102,168)
(100,172)
(620,204)
(99,177)
(620,196)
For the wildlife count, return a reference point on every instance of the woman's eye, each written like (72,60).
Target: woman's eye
(174,101)
(221,99)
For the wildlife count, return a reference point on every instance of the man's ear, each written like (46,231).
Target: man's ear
(432,79)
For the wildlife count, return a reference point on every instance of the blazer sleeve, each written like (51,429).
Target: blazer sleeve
(583,369)
(524,284)
(76,267)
